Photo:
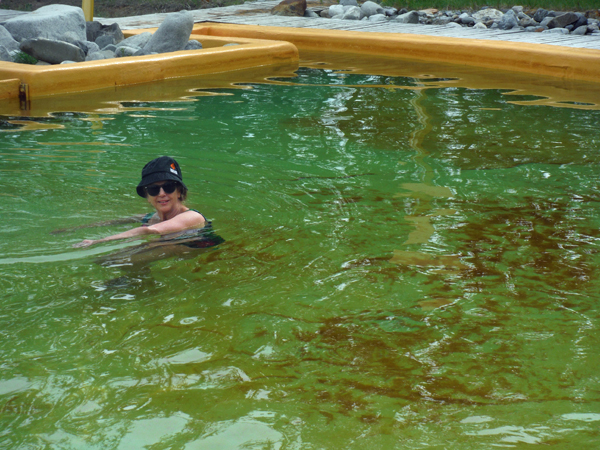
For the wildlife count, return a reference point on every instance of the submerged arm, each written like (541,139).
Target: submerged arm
(104,223)
(184,221)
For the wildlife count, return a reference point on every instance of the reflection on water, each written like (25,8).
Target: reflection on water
(409,262)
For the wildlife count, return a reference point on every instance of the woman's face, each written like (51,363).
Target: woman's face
(162,201)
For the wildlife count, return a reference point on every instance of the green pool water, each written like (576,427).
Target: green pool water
(410,262)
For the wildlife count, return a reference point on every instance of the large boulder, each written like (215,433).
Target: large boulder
(370,8)
(409,17)
(49,22)
(7,41)
(353,13)
(563,20)
(95,30)
(52,51)
(173,34)
(508,21)
(290,8)
(485,15)
(137,40)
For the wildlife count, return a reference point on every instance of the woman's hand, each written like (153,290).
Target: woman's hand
(85,243)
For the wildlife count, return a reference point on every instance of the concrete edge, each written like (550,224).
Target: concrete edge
(542,59)
(44,81)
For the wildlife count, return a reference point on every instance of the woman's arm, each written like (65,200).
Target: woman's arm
(184,221)
(122,221)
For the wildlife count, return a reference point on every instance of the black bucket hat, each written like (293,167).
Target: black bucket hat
(159,169)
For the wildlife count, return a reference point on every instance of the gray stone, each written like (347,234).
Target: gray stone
(480,26)
(517,9)
(138,40)
(370,8)
(95,56)
(390,12)
(557,31)
(508,21)
(325,13)
(466,19)
(108,53)
(454,25)
(173,34)
(95,30)
(68,61)
(7,41)
(353,13)
(540,15)
(442,20)
(593,28)
(580,31)
(91,47)
(110,48)
(310,14)
(127,51)
(52,51)
(545,21)
(42,63)
(581,21)
(338,17)
(193,45)
(334,10)
(378,18)
(525,20)
(50,22)
(104,40)
(409,17)
(348,3)
(4,55)
(488,14)
(563,20)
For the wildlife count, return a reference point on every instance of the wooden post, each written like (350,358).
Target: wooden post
(88,9)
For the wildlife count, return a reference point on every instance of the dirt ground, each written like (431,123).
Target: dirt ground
(122,8)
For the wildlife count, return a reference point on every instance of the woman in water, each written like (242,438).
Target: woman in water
(162,185)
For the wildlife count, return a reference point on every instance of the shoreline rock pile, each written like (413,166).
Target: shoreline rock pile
(516,18)
(59,34)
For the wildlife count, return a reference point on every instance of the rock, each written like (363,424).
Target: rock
(517,9)
(52,51)
(381,18)
(442,20)
(409,17)
(138,40)
(110,48)
(488,14)
(508,21)
(525,20)
(108,53)
(173,34)
(390,12)
(480,26)
(95,30)
(335,10)
(353,13)
(289,8)
(540,15)
(545,21)
(95,56)
(42,63)
(325,14)
(454,25)
(4,55)
(67,61)
(563,20)
(370,8)
(593,28)
(103,41)
(348,3)
(557,31)
(580,31)
(51,22)
(193,45)
(7,41)
(466,19)
(581,21)
(310,14)
(124,51)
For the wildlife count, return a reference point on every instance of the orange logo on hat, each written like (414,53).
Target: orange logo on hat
(173,166)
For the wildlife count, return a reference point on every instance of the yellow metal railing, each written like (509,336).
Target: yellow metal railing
(88,9)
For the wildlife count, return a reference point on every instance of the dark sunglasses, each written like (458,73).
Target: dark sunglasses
(153,190)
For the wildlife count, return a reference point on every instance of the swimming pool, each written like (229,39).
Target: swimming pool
(410,262)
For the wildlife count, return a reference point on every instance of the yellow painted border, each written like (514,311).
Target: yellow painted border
(542,59)
(86,76)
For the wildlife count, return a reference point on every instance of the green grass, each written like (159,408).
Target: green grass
(556,5)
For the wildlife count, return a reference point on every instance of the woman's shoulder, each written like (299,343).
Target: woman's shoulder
(196,211)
